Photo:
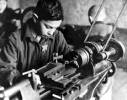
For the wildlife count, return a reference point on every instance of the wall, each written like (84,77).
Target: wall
(75,11)
(14,4)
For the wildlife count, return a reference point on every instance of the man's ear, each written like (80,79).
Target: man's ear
(90,19)
(35,17)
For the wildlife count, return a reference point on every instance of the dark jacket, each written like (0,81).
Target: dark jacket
(22,53)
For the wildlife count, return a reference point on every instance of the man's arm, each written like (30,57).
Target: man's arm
(8,62)
(63,47)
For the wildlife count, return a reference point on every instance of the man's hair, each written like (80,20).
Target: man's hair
(49,10)
(93,10)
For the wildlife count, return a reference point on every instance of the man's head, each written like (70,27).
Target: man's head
(93,11)
(3,5)
(49,14)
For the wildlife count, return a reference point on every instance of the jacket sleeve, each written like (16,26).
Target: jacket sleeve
(63,47)
(8,62)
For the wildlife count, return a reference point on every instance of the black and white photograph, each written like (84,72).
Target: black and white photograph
(63,49)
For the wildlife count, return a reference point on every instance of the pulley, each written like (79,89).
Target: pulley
(83,56)
(87,51)
(113,52)
(95,47)
(119,49)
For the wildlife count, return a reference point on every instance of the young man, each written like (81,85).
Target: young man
(101,30)
(34,45)
(100,33)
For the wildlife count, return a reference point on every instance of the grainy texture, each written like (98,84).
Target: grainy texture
(75,12)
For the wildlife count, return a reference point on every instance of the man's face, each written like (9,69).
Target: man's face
(102,15)
(3,4)
(49,27)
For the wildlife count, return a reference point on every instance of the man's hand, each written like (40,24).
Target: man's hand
(35,79)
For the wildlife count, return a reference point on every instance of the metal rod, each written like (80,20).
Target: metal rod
(114,26)
(94,20)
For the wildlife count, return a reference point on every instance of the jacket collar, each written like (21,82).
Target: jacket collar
(99,22)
